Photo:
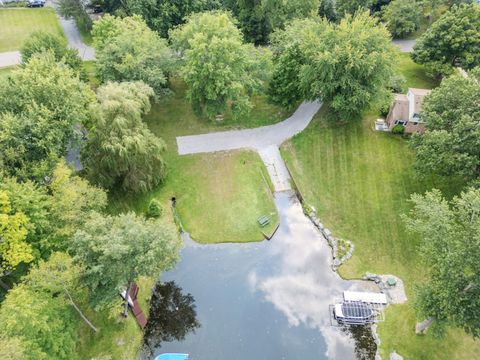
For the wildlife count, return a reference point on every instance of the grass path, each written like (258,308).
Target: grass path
(17,24)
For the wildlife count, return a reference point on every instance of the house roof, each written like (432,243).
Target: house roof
(401,97)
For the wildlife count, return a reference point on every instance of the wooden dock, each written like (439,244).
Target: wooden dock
(135,306)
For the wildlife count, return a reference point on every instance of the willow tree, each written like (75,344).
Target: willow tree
(121,150)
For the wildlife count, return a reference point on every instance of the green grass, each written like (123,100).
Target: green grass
(360,182)
(17,24)
(219,196)
(6,70)
(117,337)
(414,73)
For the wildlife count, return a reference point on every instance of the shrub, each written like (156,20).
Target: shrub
(398,129)
(155,209)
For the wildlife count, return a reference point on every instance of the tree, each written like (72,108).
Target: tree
(120,149)
(72,199)
(54,211)
(349,65)
(39,104)
(220,70)
(164,15)
(351,6)
(289,57)
(41,41)
(401,17)
(453,40)
(116,250)
(450,247)
(258,18)
(127,50)
(45,325)
(12,348)
(450,145)
(13,231)
(327,9)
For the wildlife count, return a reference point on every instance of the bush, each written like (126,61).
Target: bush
(398,84)
(398,129)
(155,209)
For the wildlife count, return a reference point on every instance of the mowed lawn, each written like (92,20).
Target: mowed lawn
(360,181)
(17,24)
(219,196)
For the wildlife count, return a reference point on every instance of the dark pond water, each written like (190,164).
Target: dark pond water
(258,301)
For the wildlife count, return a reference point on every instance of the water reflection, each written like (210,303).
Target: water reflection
(266,300)
(172,316)
(365,345)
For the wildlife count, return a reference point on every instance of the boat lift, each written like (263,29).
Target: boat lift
(358,308)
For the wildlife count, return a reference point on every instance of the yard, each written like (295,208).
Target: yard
(360,182)
(17,24)
(219,196)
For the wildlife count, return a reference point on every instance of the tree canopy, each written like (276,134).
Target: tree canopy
(220,70)
(452,40)
(127,50)
(351,6)
(450,247)
(163,15)
(13,232)
(36,317)
(348,65)
(120,149)
(41,41)
(116,250)
(401,17)
(39,104)
(450,145)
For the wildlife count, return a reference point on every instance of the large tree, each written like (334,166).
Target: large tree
(127,50)
(116,250)
(450,248)
(258,18)
(164,15)
(41,41)
(39,104)
(347,65)
(54,211)
(13,232)
(352,6)
(37,316)
(220,70)
(120,149)
(289,48)
(453,40)
(450,145)
(401,17)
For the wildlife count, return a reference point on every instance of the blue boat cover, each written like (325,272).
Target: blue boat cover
(172,357)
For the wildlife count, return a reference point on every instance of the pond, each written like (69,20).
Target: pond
(255,301)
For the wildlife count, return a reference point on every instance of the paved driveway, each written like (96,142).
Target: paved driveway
(10,58)
(404,45)
(254,139)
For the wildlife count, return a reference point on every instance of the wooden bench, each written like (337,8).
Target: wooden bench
(263,220)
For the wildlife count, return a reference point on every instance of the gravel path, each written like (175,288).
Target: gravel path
(254,139)
(265,140)
(10,58)
(404,45)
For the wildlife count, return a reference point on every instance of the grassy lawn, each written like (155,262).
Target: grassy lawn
(219,196)
(414,73)
(17,24)
(360,182)
(117,337)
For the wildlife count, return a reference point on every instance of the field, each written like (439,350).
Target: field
(219,196)
(17,24)
(360,182)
